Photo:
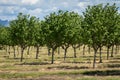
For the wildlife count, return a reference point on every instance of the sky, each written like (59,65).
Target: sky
(9,9)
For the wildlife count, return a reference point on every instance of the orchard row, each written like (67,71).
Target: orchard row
(98,26)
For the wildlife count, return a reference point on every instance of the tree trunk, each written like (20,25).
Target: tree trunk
(94,61)
(37,52)
(14,52)
(89,49)
(74,52)
(84,50)
(18,50)
(58,50)
(79,48)
(116,49)
(100,55)
(65,53)
(6,49)
(112,51)
(22,51)
(52,61)
(49,51)
(108,52)
(65,47)
(9,50)
(28,51)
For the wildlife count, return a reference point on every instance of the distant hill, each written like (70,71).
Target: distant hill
(4,22)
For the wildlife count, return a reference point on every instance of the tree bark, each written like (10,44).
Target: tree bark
(14,52)
(22,51)
(37,52)
(65,47)
(49,51)
(52,61)
(18,50)
(94,60)
(100,55)
(6,49)
(89,49)
(65,53)
(9,50)
(74,48)
(116,49)
(75,52)
(28,51)
(108,52)
(112,51)
(84,50)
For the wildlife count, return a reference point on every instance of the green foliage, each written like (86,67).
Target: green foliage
(99,26)
(62,28)
(35,36)
(111,24)
(72,28)
(4,36)
(93,28)
(52,30)
(19,30)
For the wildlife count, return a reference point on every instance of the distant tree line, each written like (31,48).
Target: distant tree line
(99,26)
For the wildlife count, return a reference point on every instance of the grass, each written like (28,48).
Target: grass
(36,74)
(79,68)
(99,78)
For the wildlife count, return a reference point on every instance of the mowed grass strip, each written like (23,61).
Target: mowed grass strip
(36,74)
(73,75)
(79,68)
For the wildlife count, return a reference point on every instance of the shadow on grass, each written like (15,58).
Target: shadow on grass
(68,67)
(66,57)
(116,61)
(116,58)
(77,62)
(34,63)
(113,65)
(102,73)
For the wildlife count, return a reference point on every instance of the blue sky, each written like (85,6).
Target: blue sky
(9,9)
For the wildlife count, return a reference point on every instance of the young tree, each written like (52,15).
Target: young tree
(70,23)
(94,30)
(39,39)
(53,32)
(101,24)
(19,31)
(75,31)
(111,23)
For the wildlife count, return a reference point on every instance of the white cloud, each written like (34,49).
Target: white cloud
(7,17)
(31,2)
(118,11)
(9,9)
(65,4)
(54,9)
(76,10)
(23,10)
(83,5)
(51,9)
(1,10)
(35,12)
(9,1)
